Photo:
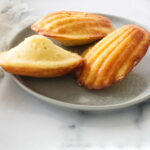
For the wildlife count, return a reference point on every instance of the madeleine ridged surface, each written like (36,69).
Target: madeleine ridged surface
(111,59)
(73,28)
(38,56)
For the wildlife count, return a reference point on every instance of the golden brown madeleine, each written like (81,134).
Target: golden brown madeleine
(111,59)
(73,28)
(37,56)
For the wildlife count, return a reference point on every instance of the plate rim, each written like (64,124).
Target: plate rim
(84,107)
(78,106)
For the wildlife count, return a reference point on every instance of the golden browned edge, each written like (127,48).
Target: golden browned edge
(40,72)
(106,22)
(145,48)
(149,38)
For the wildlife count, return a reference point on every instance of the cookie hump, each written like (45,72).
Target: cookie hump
(111,59)
(38,56)
(73,28)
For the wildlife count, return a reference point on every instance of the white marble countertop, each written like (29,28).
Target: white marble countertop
(27,123)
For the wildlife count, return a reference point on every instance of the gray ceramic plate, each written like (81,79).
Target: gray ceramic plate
(64,91)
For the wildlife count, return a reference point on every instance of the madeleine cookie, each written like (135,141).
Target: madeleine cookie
(111,59)
(73,28)
(38,56)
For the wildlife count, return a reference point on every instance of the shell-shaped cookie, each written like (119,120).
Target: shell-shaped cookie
(111,59)
(37,56)
(73,28)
